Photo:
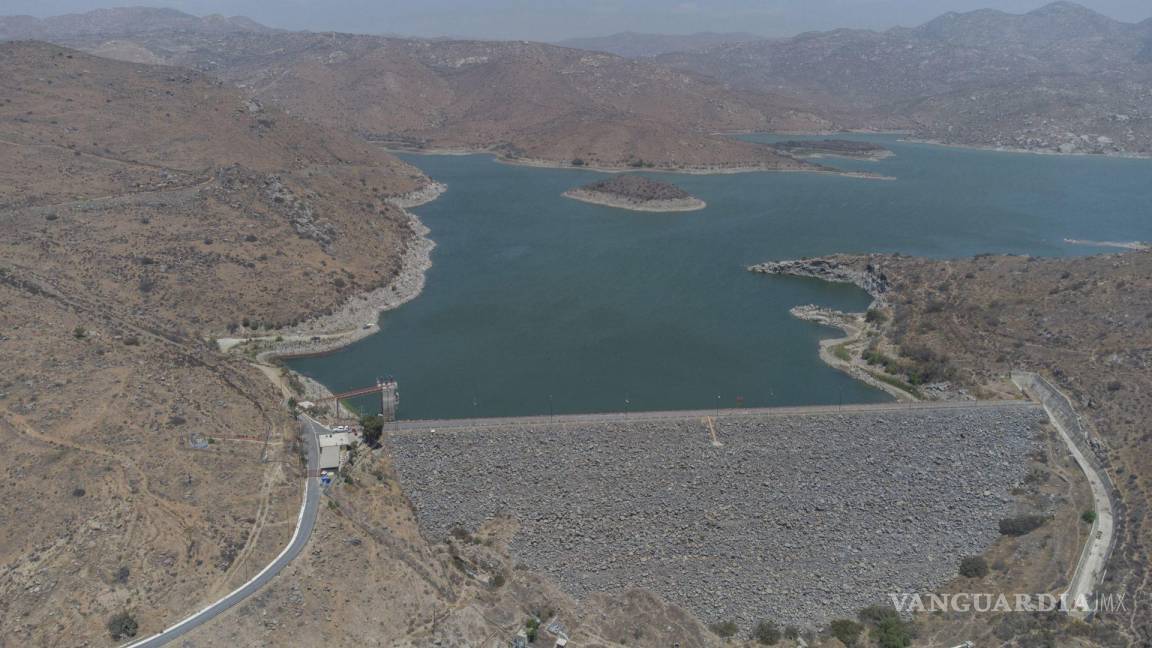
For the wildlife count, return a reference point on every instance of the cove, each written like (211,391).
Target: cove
(537,303)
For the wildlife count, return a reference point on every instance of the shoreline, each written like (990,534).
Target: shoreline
(690,170)
(1135,246)
(700,170)
(358,317)
(855,330)
(908,137)
(1119,155)
(660,206)
(884,155)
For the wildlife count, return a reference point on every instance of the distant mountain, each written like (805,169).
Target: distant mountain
(636,45)
(119,21)
(1061,77)
(531,101)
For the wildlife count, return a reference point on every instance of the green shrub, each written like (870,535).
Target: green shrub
(846,630)
(974,567)
(1021,524)
(122,626)
(888,629)
(841,352)
(1088,516)
(874,316)
(725,629)
(767,633)
(893,632)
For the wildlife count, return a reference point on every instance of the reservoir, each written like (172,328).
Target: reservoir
(537,303)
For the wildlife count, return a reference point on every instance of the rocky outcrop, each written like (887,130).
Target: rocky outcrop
(863,273)
(298,212)
(423,195)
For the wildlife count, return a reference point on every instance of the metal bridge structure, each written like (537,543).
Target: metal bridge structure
(389,397)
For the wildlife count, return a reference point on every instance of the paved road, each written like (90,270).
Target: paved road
(1094,558)
(619,417)
(304,526)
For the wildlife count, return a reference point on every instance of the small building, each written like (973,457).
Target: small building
(332,445)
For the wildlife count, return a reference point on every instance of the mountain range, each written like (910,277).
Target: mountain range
(1060,78)
(637,45)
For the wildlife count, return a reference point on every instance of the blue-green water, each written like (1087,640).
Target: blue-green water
(536,302)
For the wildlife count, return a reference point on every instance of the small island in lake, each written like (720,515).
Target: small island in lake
(834,148)
(637,193)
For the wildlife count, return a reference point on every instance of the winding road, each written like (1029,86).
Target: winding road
(304,525)
(1079,598)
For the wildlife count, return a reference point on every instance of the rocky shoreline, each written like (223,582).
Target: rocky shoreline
(357,318)
(870,278)
(619,202)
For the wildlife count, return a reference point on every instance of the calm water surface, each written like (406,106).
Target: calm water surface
(536,302)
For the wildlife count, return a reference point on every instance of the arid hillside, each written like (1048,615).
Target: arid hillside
(1060,78)
(527,101)
(1084,323)
(142,209)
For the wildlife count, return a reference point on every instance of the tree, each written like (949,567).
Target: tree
(767,633)
(1088,516)
(373,427)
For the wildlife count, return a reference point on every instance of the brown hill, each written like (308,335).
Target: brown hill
(141,209)
(1058,78)
(521,99)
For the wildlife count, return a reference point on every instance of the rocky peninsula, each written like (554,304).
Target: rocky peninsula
(638,194)
(833,148)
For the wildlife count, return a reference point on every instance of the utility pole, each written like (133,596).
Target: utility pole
(551,411)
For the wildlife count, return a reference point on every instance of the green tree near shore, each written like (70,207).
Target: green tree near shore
(373,427)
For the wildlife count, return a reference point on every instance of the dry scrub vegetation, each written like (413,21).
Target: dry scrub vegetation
(1086,324)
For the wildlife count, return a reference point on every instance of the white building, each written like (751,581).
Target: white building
(332,445)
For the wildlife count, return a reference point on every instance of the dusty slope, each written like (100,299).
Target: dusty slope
(138,214)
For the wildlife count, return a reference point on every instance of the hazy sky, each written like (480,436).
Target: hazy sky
(550,20)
